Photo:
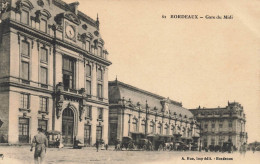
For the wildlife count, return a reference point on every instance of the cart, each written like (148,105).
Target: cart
(54,139)
(127,143)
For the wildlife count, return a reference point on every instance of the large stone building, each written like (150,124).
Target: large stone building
(136,113)
(219,125)
(53,72)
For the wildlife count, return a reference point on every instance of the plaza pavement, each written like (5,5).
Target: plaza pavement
(88,155)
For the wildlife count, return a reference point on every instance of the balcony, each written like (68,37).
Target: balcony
(24,110)
(70,90)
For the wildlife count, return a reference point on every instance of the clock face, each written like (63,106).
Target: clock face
(70,32)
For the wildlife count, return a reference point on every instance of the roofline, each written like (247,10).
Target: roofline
(116,82)
(65,6)
(208,108)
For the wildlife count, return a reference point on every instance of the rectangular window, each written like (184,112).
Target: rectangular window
(44,55)
(43,104)
(87,45)
(93,50)
(220,126)
(25,17)
(160,129)
(99,133)
(100,113)
(100,91)
(68,73)
(25,49)
(213,125)
(173,130)
(167,130)
(44,75)
(43,26)
(135,127)
(25,101)
(83,45)
(206,126)
(88,87)
(87,134)
(23,130)
(43,124)
(37,25)
(100,52)
(152,129)
(212,141)
(25,70)
(230,124)
(88,70)
(89,112)
(143,127)
(18,17)
(99,75)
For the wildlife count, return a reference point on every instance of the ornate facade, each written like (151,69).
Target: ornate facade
(139,114)
(53,72)
(220,125)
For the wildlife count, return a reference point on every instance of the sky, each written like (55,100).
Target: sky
(205,62)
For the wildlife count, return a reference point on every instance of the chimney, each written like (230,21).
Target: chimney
(74,7)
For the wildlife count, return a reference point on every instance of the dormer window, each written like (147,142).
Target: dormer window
(43,25)
(25,17)
(100,52)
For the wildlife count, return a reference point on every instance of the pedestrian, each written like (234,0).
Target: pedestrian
(97,145)
(243,149)
(40,142)
(106,146)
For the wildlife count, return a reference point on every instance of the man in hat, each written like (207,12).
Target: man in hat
(40,142)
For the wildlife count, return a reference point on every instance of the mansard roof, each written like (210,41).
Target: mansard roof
(134,96)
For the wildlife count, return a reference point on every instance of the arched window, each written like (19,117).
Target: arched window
(135,125)
(160,128)
(152,127)
(143,126)
(173,129)
(167,129)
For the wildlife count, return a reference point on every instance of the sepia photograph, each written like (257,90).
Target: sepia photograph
(129,81)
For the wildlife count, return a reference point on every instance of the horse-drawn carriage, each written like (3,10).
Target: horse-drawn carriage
(54,139)
(145,144)
(127,143)
(181,146)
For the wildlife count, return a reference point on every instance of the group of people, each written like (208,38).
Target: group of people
(101,143)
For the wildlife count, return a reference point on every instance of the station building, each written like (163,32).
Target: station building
(53,72)
(137,113)
(222,124)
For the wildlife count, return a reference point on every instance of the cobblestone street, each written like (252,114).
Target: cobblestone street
(22,155)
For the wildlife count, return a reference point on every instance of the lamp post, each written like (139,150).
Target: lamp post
(200,128)
(146,118)
(175,117)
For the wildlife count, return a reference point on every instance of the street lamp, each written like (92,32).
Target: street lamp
(146,118)
(200,128)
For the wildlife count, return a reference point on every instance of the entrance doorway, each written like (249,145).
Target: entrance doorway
(67,127)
